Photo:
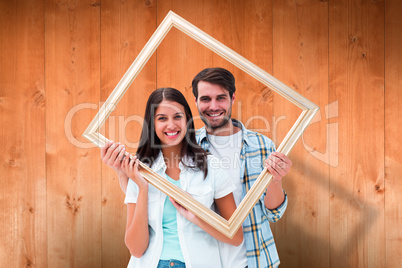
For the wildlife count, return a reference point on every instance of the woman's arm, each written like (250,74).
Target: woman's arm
(226,206)
(137,233)
(112,154)
(123,181)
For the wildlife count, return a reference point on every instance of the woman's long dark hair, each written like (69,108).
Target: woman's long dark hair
(150,145)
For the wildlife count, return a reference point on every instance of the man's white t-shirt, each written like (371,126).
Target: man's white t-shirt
(227,150)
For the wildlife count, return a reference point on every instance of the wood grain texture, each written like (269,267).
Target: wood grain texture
(22,135)
(300,45)
(60,207)
(180,58)
(245,27)
(125,28)
(356,81)
(393,128)
(73,172)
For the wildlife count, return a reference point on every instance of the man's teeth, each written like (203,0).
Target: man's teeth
(172,133)
(212,115)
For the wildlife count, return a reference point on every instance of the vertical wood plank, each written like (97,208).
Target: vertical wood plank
(82,222)
(73,171)
(22,135)
(180,58)
(393,128)
(356,81)
(300,60)
(244,27)
(126,26)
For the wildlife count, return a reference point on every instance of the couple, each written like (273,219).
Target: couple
(160,232)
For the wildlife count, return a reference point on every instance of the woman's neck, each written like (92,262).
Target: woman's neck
(172,156)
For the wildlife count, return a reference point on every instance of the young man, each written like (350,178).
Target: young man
(243,153)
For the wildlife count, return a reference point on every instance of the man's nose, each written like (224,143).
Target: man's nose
(214,105)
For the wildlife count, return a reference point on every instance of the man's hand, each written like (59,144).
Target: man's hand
(278,164)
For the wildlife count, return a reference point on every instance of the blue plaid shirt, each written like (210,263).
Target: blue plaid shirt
(260,244)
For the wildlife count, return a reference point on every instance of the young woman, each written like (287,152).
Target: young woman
(156,235)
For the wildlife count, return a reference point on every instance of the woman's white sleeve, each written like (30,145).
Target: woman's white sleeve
(131,193)
(223,183)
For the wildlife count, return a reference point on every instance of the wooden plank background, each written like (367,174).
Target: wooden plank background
(59,60)
(301,61)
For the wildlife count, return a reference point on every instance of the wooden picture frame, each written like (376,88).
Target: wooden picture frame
(309,109)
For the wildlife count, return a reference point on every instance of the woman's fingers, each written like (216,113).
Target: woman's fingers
(111,154)
(105,148)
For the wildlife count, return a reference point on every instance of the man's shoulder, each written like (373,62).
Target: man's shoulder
(200,134)
(257,138)
(200,131)
(247,133)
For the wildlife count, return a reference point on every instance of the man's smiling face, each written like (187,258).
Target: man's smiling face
(214,105)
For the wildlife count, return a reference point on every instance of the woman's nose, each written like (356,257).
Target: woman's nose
(171,124)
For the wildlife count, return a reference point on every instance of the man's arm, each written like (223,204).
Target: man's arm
(278,164)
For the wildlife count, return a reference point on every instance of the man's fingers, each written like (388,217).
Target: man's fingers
(282,157)
(277,170)
(272,171)
(276,158)
(276,161)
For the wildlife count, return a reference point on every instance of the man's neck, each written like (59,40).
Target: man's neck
(226,130)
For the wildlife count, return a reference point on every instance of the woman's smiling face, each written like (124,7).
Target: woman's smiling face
(170,123)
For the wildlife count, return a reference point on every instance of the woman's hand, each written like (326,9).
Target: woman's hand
(226,206)
(113,155)
(190,216)
(130,167)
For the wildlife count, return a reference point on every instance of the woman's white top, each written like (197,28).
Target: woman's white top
(199,248)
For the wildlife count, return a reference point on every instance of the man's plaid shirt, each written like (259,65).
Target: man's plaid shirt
(260,244)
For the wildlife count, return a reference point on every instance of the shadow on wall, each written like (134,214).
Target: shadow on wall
(310,238)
